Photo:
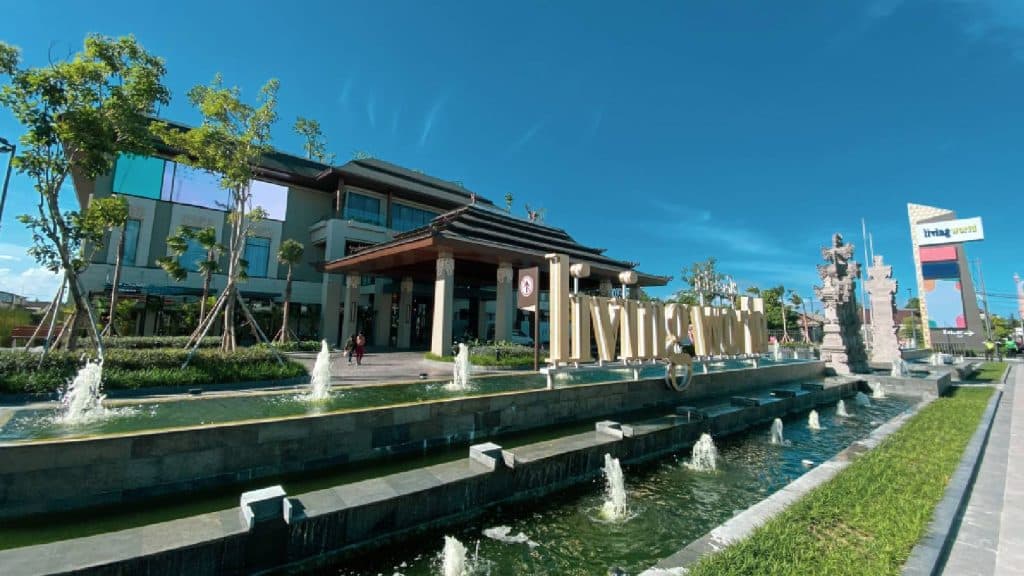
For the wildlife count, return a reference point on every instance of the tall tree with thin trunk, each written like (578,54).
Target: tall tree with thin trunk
(229,143)
(315,145)
(112,213)
(289,254)
(79,114)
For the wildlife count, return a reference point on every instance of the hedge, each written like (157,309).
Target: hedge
(295,346)
(132,369)
(148,342)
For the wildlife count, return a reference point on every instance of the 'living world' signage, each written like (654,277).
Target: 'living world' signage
(632,330)
(949,232)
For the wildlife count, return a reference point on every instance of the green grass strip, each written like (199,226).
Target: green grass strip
(868,518)
(989,372)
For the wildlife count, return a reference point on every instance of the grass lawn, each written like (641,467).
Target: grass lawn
(868,518)
(989,372)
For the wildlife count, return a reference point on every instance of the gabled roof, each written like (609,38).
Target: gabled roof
(483,232)
(403,178)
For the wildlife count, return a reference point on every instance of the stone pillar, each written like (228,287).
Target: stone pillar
(481,319)
(882,289)
(332,285)
(444,292)
(505,306)
(352,283)
(405,314)
(381,314)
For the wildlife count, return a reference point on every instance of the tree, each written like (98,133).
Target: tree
(315,145)
(798,304)
(178,245)
(289,254)
(111,213)
(703,280)
(910,327)
(230,143)
(914,303)
(79,114)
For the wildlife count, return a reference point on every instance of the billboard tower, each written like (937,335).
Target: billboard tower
(949,305)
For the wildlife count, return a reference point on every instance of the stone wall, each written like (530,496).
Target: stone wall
(53,476)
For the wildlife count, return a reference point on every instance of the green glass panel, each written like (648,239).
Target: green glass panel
(140,176)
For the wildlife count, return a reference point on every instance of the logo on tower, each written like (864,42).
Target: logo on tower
(528,279)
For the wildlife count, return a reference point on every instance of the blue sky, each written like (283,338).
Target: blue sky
(665,132)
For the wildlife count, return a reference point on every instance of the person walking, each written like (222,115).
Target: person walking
(350,347)
(360,348)
(990,348)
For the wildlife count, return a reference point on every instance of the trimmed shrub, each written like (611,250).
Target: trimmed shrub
(134,368)
(146,342)
(295,346)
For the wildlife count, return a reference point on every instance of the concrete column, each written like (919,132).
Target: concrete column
(505,307)
(382,314)
(444,292)
(332,285)
(351,305)
(405,314)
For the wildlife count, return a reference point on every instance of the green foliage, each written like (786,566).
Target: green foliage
(989,372)
(290,252)
(910,326)
(149,342)
(315,145)
(914,303)
(867,519)
(135,368)
(700,278)
(178,245)
(78,115)
(1001,327)
(773,307)
(500,354)
(105,214)
(124,316)
(9,318)
(294,346)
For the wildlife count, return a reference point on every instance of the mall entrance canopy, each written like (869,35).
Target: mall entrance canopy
(472,246)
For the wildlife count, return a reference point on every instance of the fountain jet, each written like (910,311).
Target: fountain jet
(83,399)
(320,381)
(841,409)
(615,506)
(812,421)
(900,368)
(777,437)
(704,457)
(876,389)
(460,370)
(453,557)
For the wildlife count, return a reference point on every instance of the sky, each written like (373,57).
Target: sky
(665,132)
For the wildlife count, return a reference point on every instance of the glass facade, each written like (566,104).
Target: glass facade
(405,218)
(140,176)
(131,241)
(257,254)
(160,179)
(363,208)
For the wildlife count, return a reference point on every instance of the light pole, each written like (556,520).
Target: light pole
(6,146)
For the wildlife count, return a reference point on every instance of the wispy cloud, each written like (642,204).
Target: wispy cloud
(883,8)
(694,226)
(431,118)
(528,135)
(346,92)
(8,257)
(36,283)
(371,110)
(997,21)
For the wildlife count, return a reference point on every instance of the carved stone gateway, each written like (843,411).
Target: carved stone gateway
(842,348)
(882,289)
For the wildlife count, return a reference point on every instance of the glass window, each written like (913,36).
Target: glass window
(362,208)
(138,176)
(186,185)
(192,257)
(131,241)
(257,254)
(271,197)
(404,218)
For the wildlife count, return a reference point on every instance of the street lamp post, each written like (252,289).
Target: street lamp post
(6,146)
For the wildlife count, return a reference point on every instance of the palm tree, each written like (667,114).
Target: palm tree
(798,303)
(289,254)
(178,244)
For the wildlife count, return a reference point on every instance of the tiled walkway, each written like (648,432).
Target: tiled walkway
(991,536)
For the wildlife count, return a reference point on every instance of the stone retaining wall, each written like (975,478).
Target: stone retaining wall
(50,476)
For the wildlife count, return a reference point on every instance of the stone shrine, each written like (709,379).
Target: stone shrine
(882,288)
(842,348)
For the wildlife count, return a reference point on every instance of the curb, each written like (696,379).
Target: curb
(930,554)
